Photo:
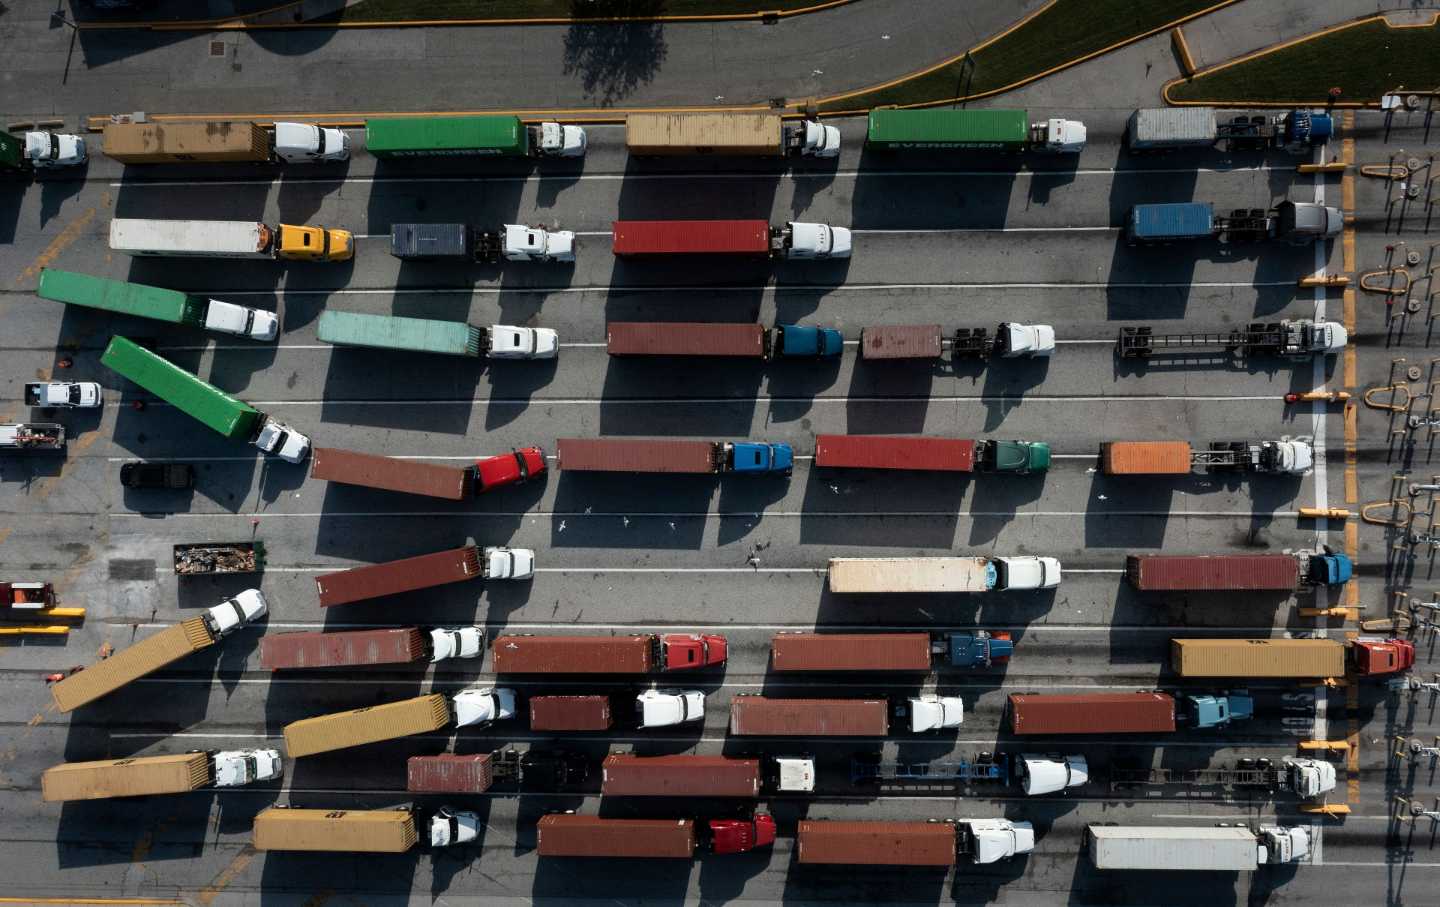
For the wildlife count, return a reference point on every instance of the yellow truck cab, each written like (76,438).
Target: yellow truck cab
(315,244)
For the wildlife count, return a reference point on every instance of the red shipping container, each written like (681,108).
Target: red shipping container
(850,652)
(1212,573)
(636,455)
(686,338)
(900,341)
(875,843)
(886,452)
(759,715)
(691,237)
(570,713)
(351,648)
(453,483)
(394,577)
(591,836)
(519,654)
(626,775)
(1145,458)
(1092,713)
(449,774)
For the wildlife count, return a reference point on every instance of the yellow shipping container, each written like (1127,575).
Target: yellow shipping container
(147,655)
(134,777)
(338,830)
(157,143)
(704,133)
(1276,658)
(371,724)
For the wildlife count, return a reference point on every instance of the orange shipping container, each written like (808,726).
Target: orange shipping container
(1138,458)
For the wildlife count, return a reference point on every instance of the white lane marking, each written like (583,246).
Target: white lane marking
(1318,418)
(489,678)
(578,344)
(768,398)
(748,514)
(867,628)
(479,456)
(1106,229)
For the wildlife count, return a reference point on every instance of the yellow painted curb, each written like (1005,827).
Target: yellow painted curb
(1182,49)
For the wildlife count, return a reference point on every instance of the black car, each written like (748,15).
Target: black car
(157,475)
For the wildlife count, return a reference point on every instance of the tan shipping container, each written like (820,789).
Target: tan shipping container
(1145,458)
(134,777)
(159,143)
(340,730)
(336,830)
(1277,658)
(908,574)
(703,133)
(147,655)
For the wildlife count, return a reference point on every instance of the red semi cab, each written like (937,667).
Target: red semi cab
(1373,655)
(513,468)
(740,835)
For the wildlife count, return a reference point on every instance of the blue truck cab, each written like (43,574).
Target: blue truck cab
(1302,129)
(758,457)
(1169,222)
(1329,569)
(1214,710)
(807,340)
(979,649)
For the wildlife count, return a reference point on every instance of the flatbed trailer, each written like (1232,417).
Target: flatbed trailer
(1288,339)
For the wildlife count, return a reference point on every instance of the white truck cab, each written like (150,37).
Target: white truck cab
(1294,457)
(667,708)
(800,240)
(561,141)
(929,712)
(1027,571)
(456,642)
(234,768)
(449,827)
(500,562)
(1282,844)
(53,149)
(305,142)
(1310,778)
(483,705)
(993,840)
(1058,136)
(283,441)
(64,394)
(242,321)
(524,243)
(511,342)
(1051,773)
(234,613)
(1301,223)
(820,140)
(795,773)
(1026,340)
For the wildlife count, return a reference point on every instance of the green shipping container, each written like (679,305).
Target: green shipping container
(119,296)
(187,393)
(447,136)
(1005,130)
(12,152)
(453,338)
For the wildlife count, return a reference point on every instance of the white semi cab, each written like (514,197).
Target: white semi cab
(1026,571)
(994,840)
(794,773)
(306,142)
(1289,457)
(45,150)
(801,240)
(1026,340)
(1051,773)
(500,562)
(283,441)
(1059,136)
(449,827)
(234,613)
(235,768)
(241,321)
(667,708)
(817,140)
(555,140)
(524,243)
(1282,844)
(1309,778)
(929,712)
(483,705)
(456,642)
(507,341)
(64,394)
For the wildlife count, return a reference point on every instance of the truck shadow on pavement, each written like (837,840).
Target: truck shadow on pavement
(443,403)
(912,510)
(599,510)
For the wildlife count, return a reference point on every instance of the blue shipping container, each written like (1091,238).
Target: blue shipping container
(1186,220)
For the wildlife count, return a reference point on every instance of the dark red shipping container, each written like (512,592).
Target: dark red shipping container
(523,654)
(570,713)
(394,577)
(1092,713)
(592,836)
(885,452)
(449,774)
(626,775)
(350,648)
(875,843)
(1212,573)
(850,652)
(900,341)
(635,455)
(759,715)
(686,338)
(453,483)
(691,237)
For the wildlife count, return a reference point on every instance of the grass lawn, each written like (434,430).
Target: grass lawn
(1364,60)
(1061,33)
(390,10)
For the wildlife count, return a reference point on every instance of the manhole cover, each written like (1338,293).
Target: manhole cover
(217,48)
(1412,258)
(1412,305)
(1413,373)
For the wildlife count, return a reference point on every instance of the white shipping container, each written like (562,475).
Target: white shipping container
(1145,847)
(1172,127)
(909,574)
(207,238)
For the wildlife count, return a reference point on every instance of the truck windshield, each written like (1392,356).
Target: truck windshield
(74,394)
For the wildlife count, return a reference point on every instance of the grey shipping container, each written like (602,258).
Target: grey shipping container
(428,241)
(1159,128)
(449,773)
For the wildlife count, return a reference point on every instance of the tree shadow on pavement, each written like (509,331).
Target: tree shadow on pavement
(612,60)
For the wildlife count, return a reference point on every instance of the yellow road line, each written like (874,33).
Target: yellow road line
(85,900)
(226,876)
(1352,588)
(60,243)
(1349,301)
(1352,755)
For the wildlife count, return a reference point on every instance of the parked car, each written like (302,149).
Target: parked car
(157,475)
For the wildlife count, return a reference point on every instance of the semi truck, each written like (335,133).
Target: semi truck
(1011,340)
(24,437)
(891,129)
(569,835)
(728,134)
(475,773)
(62,394)
(217,410)
(663,455)
(361,830)
(1177,458)
(210,558)
(752,714)
(570,713)
(931,454)
(158,650)
(748,341)
(1306,779)
(931,843)
(461,242)
(424,335)
(1296,223)
(40,150)
(229,239)
(1147,712)
(361,648)
(943,574)
(497,135)
(629,775)
(422,572)
(637,654)
(140,776)
(1172,128)
(755,238)
(1290,658)
(1223,848)
(1299,339)
(224,142)
(668,707)
(1037,774)
(477,706)
(144,301)
(888,651)
(1237,572)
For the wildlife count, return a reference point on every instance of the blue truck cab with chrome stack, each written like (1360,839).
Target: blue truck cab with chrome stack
(1326,568)
(980,649)
(1206,710)
(807,340)
(759,457)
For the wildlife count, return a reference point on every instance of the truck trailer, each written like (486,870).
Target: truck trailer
(1296,223)
(423,572)
(664,455)
(754,238)
(1037,774)
(1153,458)
(888,651)
(155,652)
(211,558)
(570,713)
(28,437)
(1306,779)
(229,239)
(932,843)
(475,773)
(461,242)
(140,776)
(747,341)
(930,454)
(629,775)
(943,574)
(891,129)
(635,654)
(1154,129)
(728,134)
(1299,339)
(478,706)
(451,483)
(153,302)
(1220,849)
(1237,572)
(1011,340)
(361,830)
(1147,712)
(1290,658)
(753,714)
(362,648)
(494,135)
(223,142)
(448,338)
(569,835)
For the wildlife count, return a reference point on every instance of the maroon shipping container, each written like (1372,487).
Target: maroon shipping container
(570,713)
(1092,713)
(637,455)
(882,452)
(850,652)
(453,483)
(398,576)
(686,338)
(627,775)
(900,341)
(758,715)
(574,654)
(691,237)
(1213,572)
(449,774)
(592,836)
(351,648)
(875,843)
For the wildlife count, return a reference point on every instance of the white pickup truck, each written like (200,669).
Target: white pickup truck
(64,394)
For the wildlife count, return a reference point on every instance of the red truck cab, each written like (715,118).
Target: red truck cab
(740,835)
(508,469)
(686,651)
(1373,655)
